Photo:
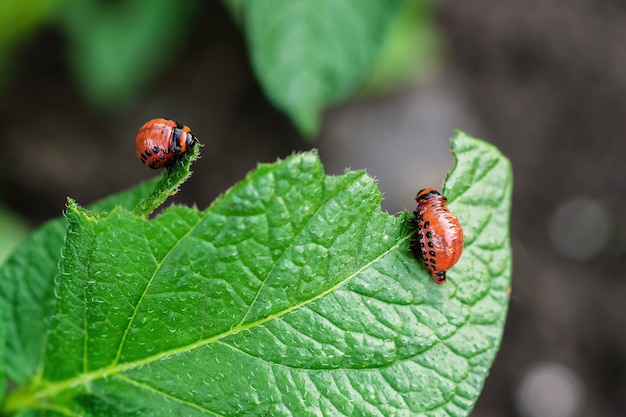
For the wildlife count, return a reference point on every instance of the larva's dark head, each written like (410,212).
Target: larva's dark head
(427,193)
(183,139)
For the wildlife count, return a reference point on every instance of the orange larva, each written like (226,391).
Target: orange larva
(439,236)
(161,142)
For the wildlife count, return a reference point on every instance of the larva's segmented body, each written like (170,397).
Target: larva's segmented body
(439,236)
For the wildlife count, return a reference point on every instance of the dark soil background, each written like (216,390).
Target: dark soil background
(543,80)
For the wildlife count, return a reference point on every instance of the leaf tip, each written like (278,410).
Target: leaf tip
(306,121)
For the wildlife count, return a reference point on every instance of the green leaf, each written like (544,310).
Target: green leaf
(26,278)
(3,360)
(293,294)
(308,54)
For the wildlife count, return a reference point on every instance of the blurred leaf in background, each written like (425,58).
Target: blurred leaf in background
(308,54)
(19,20)
(116,48)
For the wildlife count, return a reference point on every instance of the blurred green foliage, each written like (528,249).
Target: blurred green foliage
(19,20)
(115,48)
(307,54)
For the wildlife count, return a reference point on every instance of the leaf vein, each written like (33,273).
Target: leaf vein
(157,268)
(167,395)
(297,233)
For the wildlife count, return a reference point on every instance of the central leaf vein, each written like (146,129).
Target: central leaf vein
(167,395)
(294,238)
(117,368)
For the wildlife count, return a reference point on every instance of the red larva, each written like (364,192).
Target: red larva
(439,237)
(161,142)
